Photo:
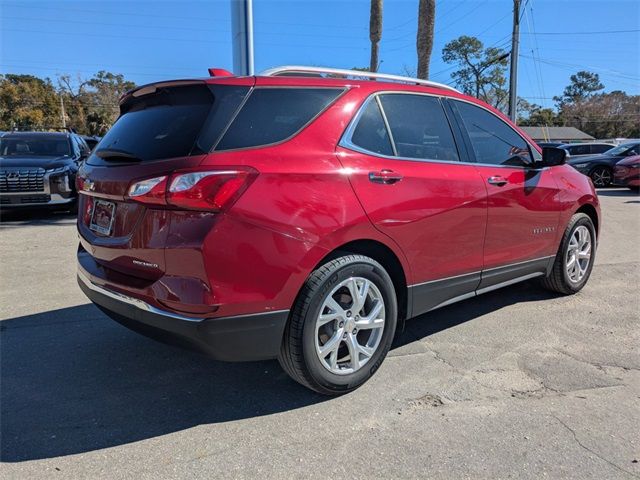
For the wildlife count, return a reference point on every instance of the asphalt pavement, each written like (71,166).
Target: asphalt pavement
(517,383)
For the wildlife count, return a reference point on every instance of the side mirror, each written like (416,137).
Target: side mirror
(552,156)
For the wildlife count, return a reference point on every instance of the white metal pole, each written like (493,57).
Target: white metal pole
(64,120)
(242,36)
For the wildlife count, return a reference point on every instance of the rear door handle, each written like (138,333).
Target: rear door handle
(386,177)
(497,180)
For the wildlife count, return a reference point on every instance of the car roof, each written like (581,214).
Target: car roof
(35,134)
(577,144)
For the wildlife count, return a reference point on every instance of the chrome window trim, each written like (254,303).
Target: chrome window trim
(345,140)
(387,126)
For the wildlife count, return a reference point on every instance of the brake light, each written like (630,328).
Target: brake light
(208,190)
(152,191)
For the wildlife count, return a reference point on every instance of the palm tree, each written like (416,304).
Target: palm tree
(375,32)
(424,43)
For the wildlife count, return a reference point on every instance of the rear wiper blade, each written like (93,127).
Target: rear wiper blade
(115,154)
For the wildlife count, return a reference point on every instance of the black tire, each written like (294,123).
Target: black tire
(298,352)
(601,176)
(558,280)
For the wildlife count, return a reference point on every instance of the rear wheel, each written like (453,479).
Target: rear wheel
(601,176)
(574,260)
(341,326)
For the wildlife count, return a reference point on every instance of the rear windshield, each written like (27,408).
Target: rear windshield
(171,122)
(271,115)
(35,146)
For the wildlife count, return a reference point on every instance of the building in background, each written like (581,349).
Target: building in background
(557,134)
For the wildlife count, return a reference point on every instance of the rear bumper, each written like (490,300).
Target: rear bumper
(237,338)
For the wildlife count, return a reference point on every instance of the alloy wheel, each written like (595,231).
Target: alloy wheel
(349,326)
(601,177)
(578,254)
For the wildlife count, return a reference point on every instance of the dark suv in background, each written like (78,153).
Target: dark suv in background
(38,169)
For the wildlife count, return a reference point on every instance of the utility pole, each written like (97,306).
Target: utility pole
(242,36)
(64,119)
(513,74)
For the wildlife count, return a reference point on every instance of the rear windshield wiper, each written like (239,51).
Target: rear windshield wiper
(114,154)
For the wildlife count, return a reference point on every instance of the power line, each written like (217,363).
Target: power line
(174,17)
(586,33)
(172,27)
(536,65)
(611,73)
(91,72)
(190,40)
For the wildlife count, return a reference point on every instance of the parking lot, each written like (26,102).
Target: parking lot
(518,383)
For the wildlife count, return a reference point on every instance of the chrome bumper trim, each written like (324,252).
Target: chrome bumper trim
(132,301)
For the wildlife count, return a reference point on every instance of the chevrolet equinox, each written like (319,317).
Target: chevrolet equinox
(304,214)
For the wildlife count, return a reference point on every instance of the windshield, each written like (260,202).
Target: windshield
(620,149)
(42,146)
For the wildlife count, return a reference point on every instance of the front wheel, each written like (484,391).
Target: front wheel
(341,326)
(601,177)
(574,260)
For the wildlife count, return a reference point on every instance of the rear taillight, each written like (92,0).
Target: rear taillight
(209,190)
(151,190)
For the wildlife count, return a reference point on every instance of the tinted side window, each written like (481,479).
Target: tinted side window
(419,127)
(371,132)
(600,148)
(84,148)
(580,150)
(75,145)
(493,141)
(271,115)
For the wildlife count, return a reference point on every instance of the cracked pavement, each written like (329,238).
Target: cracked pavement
(517,383)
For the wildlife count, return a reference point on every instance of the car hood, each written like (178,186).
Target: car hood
(47,163)
(630,160)
(593,158)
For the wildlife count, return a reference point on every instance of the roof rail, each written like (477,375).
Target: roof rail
(294,69)
(41,128)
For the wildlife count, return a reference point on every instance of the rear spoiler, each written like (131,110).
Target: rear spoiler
(153,87)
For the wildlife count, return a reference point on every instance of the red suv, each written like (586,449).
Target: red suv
(306,213)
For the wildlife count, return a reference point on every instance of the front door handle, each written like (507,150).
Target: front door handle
(497,180)
(387,177)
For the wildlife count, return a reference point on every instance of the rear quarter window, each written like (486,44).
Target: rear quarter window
(271,115)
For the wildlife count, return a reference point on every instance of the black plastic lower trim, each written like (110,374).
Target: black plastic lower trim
(496,276)
(231,339)
(429,295)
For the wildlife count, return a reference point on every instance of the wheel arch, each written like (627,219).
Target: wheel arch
(592,213)
(382,254)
